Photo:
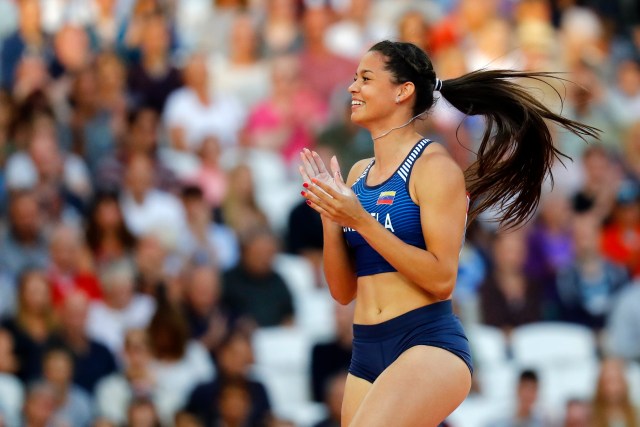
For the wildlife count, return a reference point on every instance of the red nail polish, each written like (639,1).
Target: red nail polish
(305,185)
(302,193)
(309,202)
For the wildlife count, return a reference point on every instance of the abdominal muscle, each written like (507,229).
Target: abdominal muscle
(384,296)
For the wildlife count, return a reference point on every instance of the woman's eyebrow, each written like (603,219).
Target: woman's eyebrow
(364,71)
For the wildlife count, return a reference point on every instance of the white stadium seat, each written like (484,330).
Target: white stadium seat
(552,343)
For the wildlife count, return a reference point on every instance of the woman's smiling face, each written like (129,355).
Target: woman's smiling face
(373,91)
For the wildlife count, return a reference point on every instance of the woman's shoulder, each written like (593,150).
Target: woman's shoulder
(436,164)
(357,169)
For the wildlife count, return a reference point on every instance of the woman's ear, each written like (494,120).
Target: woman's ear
(406,90)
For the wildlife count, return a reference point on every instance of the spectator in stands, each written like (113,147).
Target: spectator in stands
(121,309)
(105,24)
(141,138)
(91,360)
(330,358)
(621,236)
(83,90)
(526,412)
(111,74)
(142,412)
(472,273)
(49,170)
(280,31)
(578,413)
(623,324)
(72,48)
(549,243)
(600,183)
(254,288)
(39,405)
(353,32)
(631,154)
(179,363)
(206,26)
(234,403)
(194,112)
(8,18)
(102,422)
(150,259)
(71,266)
(206,241)
(31,81)
(136,380)
(331,72)
(588,101)
(413,27)
(29,37)
(463,23)
(582,32)
(23,242)
(287,120)
(145,208)
(333,394)
(588,286)
(11,389)
(210,175)
(135,14)
(612,404)
(240,210)
(152,80)
(90,123)
(242,73)
(186,419)
(33,326)
(73,405)
(509,297)
(8,112)
(107,235)
(627,91)
(207,322)
(234,358)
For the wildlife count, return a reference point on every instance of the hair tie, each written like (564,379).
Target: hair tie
(438,85)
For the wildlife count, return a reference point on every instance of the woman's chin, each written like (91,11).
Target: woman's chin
(357,118)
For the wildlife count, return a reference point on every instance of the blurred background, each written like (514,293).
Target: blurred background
(158,266)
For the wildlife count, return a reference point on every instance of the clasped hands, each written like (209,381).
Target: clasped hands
(327,193)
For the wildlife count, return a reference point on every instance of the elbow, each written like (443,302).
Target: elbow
(441,288)
(343,298)
(443,293)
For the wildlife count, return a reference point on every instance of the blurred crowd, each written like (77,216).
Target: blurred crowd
(149,198)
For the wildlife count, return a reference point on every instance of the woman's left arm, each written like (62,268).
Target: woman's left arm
(439,188)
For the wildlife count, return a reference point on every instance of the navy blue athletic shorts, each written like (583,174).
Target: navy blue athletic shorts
(377,346)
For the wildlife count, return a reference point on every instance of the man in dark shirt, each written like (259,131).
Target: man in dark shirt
(152,80)
(233,358)
(254,288)
(91,360)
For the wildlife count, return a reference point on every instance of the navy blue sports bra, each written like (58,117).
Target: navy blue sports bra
(391,204)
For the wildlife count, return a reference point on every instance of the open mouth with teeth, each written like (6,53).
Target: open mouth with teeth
(356,103)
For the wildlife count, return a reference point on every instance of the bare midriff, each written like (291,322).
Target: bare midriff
(384,296)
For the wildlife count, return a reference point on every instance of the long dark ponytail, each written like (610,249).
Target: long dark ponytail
(516,152)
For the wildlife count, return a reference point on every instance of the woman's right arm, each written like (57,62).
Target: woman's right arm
(338,266)
(339,270)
